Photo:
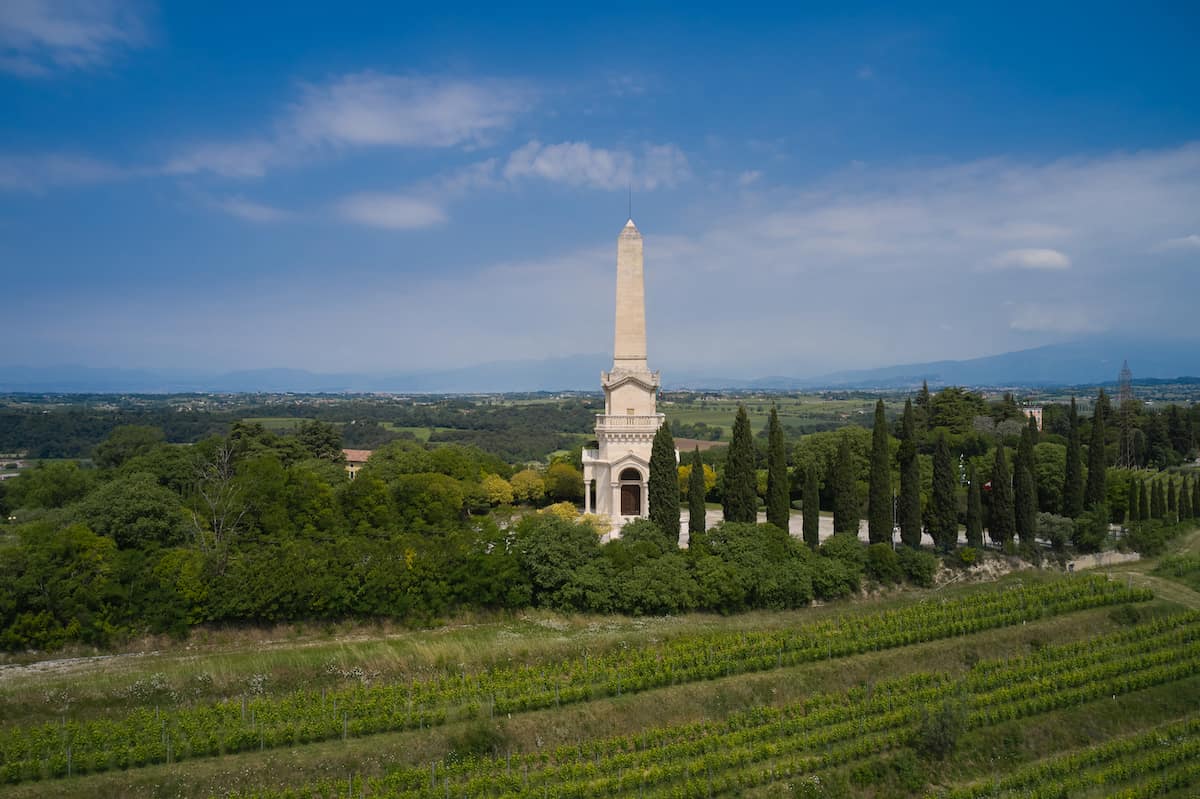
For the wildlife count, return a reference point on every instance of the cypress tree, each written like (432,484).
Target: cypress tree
(1093,495)
(909,509)
(974,511)
(1185,501)
(879,510)
(1025,490)
(663,485)
(740,501)
(1172,503)
(845,491)
(696,508)
(779,510)
(925,405)
(1196,498)
(1156,501)
(1073,476)
(1141,501)
(943,507)
(812,507)
(1033,429)
(1001,521)
(1145,503)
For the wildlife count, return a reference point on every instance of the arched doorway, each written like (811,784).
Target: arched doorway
(631,492)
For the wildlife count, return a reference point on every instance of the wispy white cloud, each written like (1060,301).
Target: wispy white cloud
(252,211)
(367,109)
(47,170)
(41,37)
(391,211)
(1031,258)
(581,164)
(1181,243)
(749,177)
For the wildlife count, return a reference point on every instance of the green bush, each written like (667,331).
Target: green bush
(919,566)
(1058,530)
(883,564)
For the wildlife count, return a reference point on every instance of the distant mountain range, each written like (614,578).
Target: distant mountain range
(1084,362)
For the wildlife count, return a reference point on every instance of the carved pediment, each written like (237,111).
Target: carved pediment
(619,377)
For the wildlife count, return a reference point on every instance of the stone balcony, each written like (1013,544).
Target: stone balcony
(617,423)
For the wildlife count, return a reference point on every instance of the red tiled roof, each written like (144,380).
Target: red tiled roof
(357,455)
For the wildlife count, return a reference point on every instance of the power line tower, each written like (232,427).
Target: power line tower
(1128,408)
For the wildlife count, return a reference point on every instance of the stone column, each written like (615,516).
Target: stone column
(587,497)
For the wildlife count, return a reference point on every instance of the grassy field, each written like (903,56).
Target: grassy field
(270,665)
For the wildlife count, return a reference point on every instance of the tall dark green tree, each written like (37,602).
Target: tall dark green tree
(812,507)
(943,506)
(974,511)
(879,508)
(925,406)
(845,491)
(1001,521)
(663,487)
(1157,504)
(1172,502)
(1025,490)
(1143,501)
(740,500)
(696,492)
(1185,501)
(1073,475)
(909,509)
(1033,429)
(1093,495)
(1196,498)
(779,507)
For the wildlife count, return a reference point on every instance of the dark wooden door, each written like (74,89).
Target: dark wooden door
(631,500)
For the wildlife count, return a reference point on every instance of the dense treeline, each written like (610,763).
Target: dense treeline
(250,525)
(514,431)
(255,526)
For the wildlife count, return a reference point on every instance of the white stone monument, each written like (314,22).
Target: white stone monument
(616,472)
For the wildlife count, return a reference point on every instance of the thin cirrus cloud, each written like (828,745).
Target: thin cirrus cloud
(1036,258)
(39,38)
(35,173)
(580,164)
(391,211)
(367,109)
(1180,244)
(251,211)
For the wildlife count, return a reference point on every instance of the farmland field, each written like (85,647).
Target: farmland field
(1085,683)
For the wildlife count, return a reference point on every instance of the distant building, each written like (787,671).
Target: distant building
(1033,412)
(355,459)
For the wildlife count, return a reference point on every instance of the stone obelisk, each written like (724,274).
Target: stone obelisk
(617,470)
(629,347)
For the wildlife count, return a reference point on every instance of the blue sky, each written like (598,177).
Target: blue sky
(368,187)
